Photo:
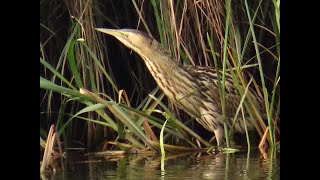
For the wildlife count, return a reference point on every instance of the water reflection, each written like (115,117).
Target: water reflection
(240,165)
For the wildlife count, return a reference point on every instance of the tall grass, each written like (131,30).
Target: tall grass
(190,28)
(209,33)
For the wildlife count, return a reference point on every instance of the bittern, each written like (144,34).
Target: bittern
(193,89)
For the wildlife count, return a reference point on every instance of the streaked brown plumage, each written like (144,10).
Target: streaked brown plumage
(194,89)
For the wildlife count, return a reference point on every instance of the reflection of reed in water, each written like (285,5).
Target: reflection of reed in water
(238,165)
(183,166)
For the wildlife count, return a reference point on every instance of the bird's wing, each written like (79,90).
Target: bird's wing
(209,78)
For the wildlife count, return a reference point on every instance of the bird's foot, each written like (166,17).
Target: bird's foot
(221,149)
(215,150)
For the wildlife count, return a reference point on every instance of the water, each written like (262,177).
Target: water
(240,165)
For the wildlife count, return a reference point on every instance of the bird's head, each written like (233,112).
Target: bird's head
(136,40)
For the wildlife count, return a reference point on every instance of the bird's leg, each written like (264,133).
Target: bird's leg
(218,132)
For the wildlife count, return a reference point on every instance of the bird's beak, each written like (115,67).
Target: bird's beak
(117,33)
(112,32)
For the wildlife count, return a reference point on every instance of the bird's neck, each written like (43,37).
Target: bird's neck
(164,69)
(159,61)
(167,72)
